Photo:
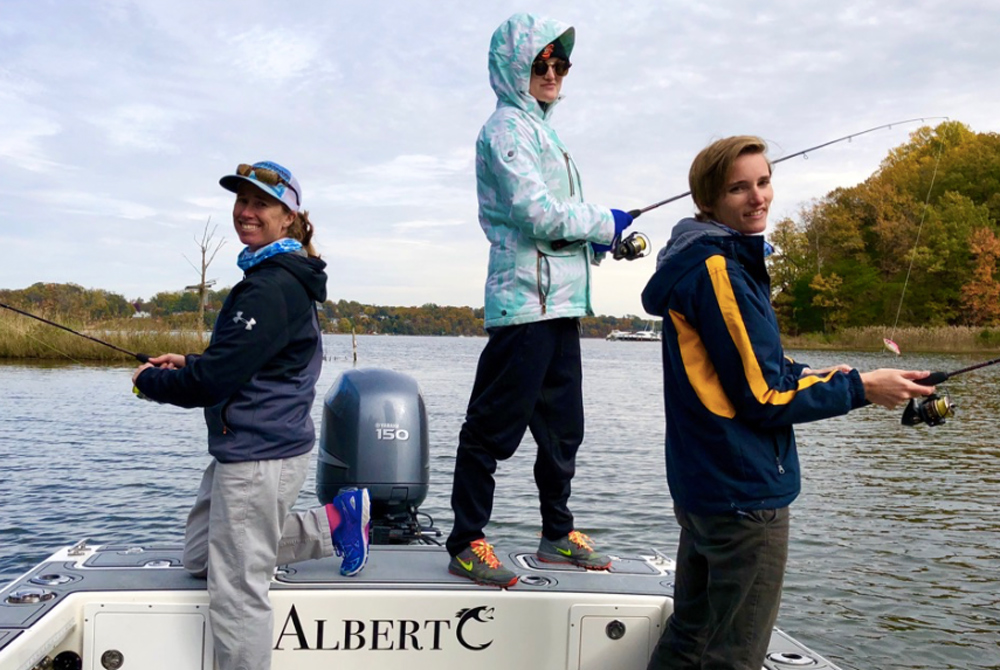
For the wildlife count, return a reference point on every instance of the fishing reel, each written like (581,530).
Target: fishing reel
(634,246)
(932,410)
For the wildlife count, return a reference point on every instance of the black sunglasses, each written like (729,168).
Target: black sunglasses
(540,68)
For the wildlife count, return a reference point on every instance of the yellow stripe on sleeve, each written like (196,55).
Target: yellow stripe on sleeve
(699,369)
(737,331)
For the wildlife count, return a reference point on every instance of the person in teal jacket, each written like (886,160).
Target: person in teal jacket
(731,398)
(543,241)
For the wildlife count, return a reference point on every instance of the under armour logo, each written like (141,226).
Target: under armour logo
(239,319)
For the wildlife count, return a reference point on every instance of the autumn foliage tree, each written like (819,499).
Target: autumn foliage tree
(829,299)
(69,300)
(910,246)
(981,295)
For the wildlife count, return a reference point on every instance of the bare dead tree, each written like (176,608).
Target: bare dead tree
(205,246)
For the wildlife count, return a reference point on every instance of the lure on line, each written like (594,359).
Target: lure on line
(891,346)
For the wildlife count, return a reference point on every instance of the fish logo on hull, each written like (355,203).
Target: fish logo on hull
(482,614)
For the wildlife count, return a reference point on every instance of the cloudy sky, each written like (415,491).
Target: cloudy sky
(119,116)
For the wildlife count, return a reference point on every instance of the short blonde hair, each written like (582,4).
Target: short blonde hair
(710,169)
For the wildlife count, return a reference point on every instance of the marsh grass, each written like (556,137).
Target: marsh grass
(943,339)
(24,338)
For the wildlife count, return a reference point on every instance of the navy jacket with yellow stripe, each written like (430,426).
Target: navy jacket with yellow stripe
(731,394)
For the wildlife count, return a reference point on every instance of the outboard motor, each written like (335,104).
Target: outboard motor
(374,435)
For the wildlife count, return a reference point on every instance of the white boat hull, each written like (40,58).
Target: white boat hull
(640,336)
(130,607)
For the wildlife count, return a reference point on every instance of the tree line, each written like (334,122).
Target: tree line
(928,220)
(180,308)
(915,245)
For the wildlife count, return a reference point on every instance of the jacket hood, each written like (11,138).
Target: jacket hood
(671,266)
(308,271)
(512,51)
(684,234)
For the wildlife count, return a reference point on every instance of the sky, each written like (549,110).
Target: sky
(118,117)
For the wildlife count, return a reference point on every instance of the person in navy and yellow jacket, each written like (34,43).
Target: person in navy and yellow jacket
(731,399)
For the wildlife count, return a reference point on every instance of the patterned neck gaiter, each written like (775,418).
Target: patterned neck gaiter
(247,259)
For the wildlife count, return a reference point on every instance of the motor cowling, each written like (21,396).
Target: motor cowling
(374,435)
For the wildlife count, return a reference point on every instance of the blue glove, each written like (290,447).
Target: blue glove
(622,221)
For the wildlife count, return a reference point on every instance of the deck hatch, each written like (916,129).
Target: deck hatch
(151,636)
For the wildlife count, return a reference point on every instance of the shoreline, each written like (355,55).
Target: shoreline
(22,338)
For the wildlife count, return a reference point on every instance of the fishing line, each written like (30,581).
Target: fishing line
(142,358)
(58,351)
(635,213)
(913,254)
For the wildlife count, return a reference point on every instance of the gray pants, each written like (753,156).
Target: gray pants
(730,570)
(240,528)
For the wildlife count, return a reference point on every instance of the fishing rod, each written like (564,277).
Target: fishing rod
(934,409)
(635,213)
(935,378)
(142,358)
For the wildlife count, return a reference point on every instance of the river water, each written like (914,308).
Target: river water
(895,553)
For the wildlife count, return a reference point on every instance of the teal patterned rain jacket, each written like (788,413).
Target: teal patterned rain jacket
(529,191)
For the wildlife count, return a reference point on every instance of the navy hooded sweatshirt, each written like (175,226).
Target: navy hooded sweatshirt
(257,378)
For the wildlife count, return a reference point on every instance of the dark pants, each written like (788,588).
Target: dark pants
(529,376)
(730,570)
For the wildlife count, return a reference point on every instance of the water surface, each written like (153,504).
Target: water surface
(895,554)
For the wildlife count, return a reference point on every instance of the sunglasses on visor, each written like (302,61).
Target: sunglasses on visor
(540,68)
(265,176)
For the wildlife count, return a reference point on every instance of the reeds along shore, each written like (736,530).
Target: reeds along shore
(939,339)
(22,337)
(25,338)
